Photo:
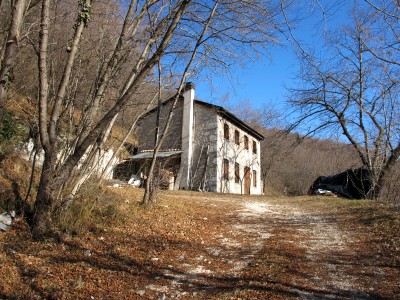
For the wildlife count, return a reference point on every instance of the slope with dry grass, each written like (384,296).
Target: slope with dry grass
(210,246)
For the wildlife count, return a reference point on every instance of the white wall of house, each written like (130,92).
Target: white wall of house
(228,149)
(199,130)
(103,162)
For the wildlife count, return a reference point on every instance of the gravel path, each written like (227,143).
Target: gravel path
(212,246)
(318,255)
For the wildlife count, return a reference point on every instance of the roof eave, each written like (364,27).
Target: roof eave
(233,118)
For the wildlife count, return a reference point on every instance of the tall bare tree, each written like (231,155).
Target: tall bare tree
(220,32)
(11,43)
(353,88)
(149,195)
(54,175)
(85,83)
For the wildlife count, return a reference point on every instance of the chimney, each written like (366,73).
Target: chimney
(187,135)
(189,86)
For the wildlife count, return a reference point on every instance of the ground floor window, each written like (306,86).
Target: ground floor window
(237,173)
(254,178)
(225,169)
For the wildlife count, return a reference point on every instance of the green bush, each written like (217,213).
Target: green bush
(8,128)
(3,204)
(10,133)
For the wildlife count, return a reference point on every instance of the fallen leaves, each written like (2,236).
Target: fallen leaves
(210,246)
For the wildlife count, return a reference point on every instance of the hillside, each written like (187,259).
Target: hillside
(210,246)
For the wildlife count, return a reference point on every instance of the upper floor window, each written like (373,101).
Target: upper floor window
(237,142)
(254,147)
(254,178)
(246,142)
(226,131)
(237,173)
(225,169)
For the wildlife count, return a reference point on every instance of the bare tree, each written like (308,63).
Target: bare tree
(276,146)
(149,195)
(220,31)
(52,178)
(11,43)
(351,89)
(84,85)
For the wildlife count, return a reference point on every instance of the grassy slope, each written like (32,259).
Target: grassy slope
(116,259)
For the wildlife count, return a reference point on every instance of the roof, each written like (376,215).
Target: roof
(221,111)
(231,117)
(149,154)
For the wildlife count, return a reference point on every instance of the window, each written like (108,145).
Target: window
(254,147)
(254,178)
(225,169)
(237,142)
(237,173)
(226,131)
(246,142)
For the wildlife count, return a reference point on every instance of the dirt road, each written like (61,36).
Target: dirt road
(271,250)
(212,246)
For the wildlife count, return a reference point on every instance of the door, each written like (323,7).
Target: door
(247,181)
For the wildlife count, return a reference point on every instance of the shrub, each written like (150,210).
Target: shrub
(14,181)
(94,208)
(391,191)
(10,134)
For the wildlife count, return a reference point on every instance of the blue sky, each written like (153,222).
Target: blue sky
(260,82)
(263,81)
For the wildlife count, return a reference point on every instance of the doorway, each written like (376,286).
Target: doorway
(247,180)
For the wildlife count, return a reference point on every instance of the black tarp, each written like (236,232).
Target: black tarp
(352,184)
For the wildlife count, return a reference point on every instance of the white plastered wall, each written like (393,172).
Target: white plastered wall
(227,149)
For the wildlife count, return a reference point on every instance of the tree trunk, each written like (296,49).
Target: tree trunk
(48,190)
(149,197)
(17,18)
(385,172)
(264,182)
(150,189)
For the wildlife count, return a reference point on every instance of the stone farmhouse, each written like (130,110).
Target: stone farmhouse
(207,148)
